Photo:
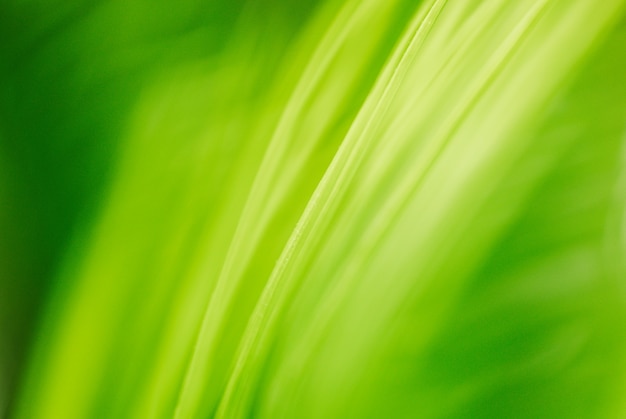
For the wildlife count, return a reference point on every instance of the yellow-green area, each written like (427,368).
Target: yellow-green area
(321,209)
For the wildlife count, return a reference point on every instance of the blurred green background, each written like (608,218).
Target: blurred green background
(70,74)
(88,86)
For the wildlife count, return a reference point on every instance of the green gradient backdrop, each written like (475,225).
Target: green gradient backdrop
(378,208)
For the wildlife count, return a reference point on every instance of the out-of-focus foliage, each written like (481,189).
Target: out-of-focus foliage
(71,73)
(323,209)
